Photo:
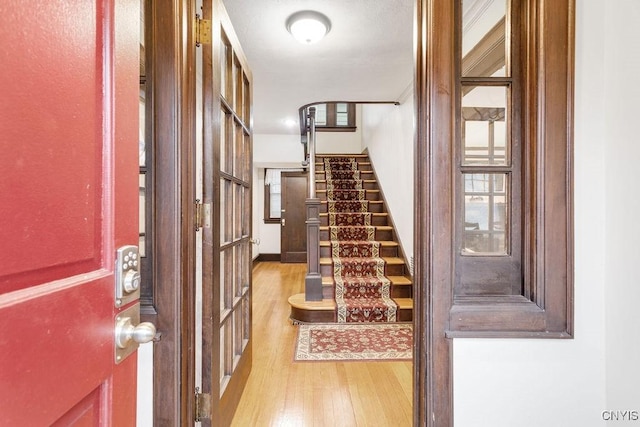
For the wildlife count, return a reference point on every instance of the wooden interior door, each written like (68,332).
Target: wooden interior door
(226,257)
(69,185)
(293,228)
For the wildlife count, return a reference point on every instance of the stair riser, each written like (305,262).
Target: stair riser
(389,270)
(369,195)
(363,164)
(373,207)
(328,292)
(375,220)
(385,251)
(365,185)
(329,316)
(401,292)
(366,174)
(381,235)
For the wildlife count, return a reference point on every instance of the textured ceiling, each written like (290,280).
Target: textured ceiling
(367,55)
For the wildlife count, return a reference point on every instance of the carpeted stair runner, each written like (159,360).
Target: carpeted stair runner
(362,291)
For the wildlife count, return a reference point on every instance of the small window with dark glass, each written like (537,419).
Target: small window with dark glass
(335,117)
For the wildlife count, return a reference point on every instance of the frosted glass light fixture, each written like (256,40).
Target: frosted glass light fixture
(308,26)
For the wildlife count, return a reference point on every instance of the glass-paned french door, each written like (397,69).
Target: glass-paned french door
(226,253)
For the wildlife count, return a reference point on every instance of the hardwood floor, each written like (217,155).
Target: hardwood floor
(281,392)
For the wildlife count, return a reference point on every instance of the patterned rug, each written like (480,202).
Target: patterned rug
(362,291)
(354,341)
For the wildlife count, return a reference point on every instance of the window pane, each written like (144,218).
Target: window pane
(237,211)
(483,38)
(274,204)
(321,114)
(246,112)
(342,114)
(484,125)
(226,211)
(223,275)
(234,83)
(485,213)
(142,158)
(224,119)
(142,205)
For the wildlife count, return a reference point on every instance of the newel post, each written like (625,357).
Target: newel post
(313,279)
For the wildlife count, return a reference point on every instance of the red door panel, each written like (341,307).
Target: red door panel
(68,181)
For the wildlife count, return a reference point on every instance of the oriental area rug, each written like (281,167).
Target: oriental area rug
(354,341)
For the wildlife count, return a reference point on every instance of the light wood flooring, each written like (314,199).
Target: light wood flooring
(281,392)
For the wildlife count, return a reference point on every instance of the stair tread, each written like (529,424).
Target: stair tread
(372,213)
(364,181)
(362,156)
(367,171)
(388,260)
(378,227)
(298,301)
(364,189)
(360,163)
(395,280)
(387,243)
(370,201)
(404,303)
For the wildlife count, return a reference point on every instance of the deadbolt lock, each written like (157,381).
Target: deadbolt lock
(127,274)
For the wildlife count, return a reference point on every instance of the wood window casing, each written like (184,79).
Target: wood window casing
(543,305)
(527,293)
(268,219)
(332,121)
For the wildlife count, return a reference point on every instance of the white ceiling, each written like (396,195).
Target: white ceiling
(367,55)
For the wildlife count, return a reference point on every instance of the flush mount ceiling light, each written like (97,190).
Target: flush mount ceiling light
(308,26)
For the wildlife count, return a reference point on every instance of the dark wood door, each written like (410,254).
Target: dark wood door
(69,181)
(293,230)
(226,256)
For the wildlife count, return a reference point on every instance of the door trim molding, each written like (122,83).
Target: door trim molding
(433,109)
(173,133)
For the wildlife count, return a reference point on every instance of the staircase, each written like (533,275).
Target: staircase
(364,275)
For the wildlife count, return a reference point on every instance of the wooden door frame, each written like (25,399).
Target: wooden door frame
(173,78)
(434,85)
(170,59)
(292,174)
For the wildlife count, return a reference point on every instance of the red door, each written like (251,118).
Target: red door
(68,182)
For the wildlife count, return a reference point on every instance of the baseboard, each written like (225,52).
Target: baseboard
(266,257)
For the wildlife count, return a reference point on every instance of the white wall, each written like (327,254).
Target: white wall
(570,382)
(621,35)
(341,142)
(270,151)
(387,133)
(144,410)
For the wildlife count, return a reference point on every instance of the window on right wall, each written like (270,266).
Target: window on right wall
(512,177)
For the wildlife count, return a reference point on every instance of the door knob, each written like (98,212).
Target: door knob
(127,332)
